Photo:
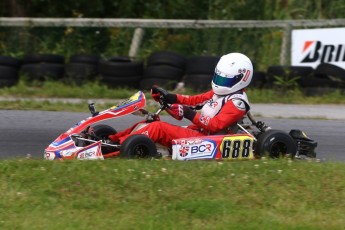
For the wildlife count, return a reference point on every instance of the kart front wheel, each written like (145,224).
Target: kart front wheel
(138,146)
(275,144)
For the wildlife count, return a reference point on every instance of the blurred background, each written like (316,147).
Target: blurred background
(106,52)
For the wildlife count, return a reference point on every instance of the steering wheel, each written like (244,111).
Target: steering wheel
(163,103)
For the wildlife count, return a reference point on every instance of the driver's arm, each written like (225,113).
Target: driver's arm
(171,98)
(194,100)
(231,112)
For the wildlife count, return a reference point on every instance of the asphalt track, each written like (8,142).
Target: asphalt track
(29,132)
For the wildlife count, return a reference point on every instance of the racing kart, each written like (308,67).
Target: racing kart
(248,140)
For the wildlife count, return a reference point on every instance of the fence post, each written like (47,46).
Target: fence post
(285,48)
(136,42)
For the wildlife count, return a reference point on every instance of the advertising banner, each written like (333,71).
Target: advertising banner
(310,47)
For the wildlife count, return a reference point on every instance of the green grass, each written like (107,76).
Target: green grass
(162,194)
(49,89)
(95,90)
(50,106)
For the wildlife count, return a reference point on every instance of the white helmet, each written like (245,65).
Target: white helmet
(233,72)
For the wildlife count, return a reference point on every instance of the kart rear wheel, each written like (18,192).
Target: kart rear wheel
(275,144)
(103,131)
(138,146)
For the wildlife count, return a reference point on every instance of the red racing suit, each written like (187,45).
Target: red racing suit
(217,114)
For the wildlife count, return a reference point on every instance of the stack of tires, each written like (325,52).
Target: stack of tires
(9,71)
(323,79)
(199,72)
(81,68)
(41,67)
(287,73)
(164,68)
(258,79)
(121,72)
(326,78)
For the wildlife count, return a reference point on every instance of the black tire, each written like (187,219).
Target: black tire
(103,131)
(308,82)
(43,71)
(333,72)
(121,69)
(198,82)
(147,83)
(43,58)
(301,71)
(121,82)
(119,59)
(8,76)
(275,144)
(138,146)
(167,58)
(85,58)
(10,61)
(291,71)
(7,81)
(258,79)
(164,72)
(80,72)
(288,72)
(201,64)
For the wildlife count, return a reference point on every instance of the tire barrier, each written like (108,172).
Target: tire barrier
(167,58)
(199,72)
(43,71)
(43,58)
(163,72)
(317,81)
(117,72)
(287,73)
(85,58)
(10,61)
(9,71)
(326,78)
(81,68)
(258,79)
(147,83)
(323,79)
(164,68)
(41,67)
(332,72)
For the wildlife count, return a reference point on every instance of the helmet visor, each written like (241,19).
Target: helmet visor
(226,81)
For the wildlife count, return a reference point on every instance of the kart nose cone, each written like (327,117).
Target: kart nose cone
(49,155)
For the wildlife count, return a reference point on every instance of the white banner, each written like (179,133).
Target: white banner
(311,47)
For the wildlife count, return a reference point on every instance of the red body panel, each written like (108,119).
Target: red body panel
(64,141)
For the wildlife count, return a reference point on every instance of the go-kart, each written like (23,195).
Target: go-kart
(250,140)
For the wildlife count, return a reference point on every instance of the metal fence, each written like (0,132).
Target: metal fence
(141,24)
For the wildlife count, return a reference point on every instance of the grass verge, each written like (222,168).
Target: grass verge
(49,89)
(161,194)
(25,95)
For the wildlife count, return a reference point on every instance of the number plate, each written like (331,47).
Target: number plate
(237,147)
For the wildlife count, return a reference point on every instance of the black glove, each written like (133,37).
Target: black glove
(189,113)
(157,91)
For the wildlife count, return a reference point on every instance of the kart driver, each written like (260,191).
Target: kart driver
(221,107)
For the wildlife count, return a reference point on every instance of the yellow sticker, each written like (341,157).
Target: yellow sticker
(133,98)
(237,147)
